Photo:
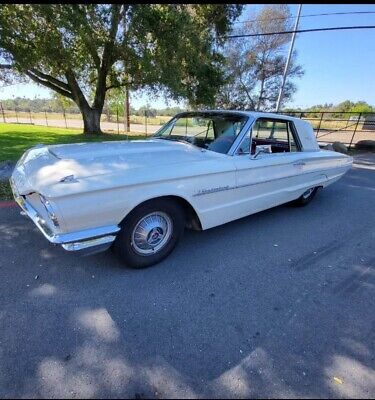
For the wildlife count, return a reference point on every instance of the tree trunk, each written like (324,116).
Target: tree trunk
(260,95)
(91,121)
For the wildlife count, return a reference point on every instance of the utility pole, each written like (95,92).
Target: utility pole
(127,110)
(288,59)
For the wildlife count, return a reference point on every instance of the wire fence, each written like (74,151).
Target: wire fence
(345,127)
(110,123)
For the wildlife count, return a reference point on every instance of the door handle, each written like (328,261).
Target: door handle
(299,163)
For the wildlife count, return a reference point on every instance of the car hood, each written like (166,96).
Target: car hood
(111,163)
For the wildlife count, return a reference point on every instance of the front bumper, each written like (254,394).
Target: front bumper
(86,242)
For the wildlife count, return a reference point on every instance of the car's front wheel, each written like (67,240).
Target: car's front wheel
(149,233)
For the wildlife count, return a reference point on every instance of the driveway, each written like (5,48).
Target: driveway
(278,304)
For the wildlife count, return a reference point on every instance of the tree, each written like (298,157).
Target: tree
(63,102)
(255,65)
(78,49)
(362,107)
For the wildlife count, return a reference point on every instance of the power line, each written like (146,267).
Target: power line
(338,28)
(305,16)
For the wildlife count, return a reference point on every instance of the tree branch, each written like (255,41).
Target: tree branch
(247,92)
(107,58)
(50,79)
(49,85)
(6,66)
(89,44)
(122,84)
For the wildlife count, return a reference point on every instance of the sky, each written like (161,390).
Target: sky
(338,65)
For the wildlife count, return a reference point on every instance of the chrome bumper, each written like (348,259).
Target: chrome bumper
(87,241)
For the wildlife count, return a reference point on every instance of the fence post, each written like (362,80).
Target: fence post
(15,110)
(66,125)
(320,123)
(118,127)
(30,116)
(2,111)
(146,121)
(355,130)
(347,121)
(45,113)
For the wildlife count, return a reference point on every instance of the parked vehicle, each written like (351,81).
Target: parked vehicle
(200,170)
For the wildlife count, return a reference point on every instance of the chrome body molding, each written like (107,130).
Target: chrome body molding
(221,189)
(91,246)
(213,190)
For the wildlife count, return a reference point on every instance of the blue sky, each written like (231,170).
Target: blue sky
(338,65)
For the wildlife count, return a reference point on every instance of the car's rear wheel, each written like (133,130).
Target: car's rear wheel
(150,233)
(306,197)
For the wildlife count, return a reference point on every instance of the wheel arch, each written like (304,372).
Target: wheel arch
(191,216)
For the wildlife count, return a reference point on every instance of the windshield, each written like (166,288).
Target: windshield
(212,131)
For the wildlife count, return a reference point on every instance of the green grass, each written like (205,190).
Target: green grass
(5,191)
(15,139)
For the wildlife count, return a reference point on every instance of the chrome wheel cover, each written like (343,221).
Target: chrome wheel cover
(307,193)
(151,233)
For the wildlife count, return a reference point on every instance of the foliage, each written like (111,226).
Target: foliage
(340,108)
(64,103)
(113,100)
(255,65)
(362,107)
(82,49)
(5,191)
(35,105)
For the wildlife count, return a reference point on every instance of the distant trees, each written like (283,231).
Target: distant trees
(255,65)
(362,107)
(57,104)
(345,106)
(54,104)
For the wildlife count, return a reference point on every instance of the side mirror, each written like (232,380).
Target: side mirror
(264,148)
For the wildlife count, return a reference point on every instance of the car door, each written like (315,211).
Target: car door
(266,180)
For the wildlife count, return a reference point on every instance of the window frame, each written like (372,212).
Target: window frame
(291,130)
(249,119)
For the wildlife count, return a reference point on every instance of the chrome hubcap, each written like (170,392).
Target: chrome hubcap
(307,193)
(152,233)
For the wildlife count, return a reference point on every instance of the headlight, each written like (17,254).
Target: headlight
(49,210)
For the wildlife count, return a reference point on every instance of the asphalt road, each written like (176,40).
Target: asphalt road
(228,314)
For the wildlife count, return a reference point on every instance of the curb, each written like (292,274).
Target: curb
(7,204)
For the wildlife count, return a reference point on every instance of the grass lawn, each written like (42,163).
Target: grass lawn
(16,138)
(5,191)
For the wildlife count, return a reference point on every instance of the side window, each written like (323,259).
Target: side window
(279,134)
(244,147)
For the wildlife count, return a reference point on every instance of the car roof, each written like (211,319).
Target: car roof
(304,128)
(254,114)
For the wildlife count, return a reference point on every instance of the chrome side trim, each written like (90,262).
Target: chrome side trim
(88,243)
(208,191)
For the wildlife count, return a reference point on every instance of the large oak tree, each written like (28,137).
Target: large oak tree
(80,49)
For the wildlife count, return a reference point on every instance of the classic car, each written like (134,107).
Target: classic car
(199,170)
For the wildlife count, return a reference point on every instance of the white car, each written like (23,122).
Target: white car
(200,170)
